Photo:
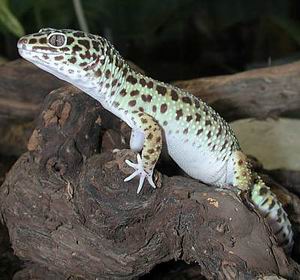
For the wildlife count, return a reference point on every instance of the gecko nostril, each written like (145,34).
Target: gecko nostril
(22,42)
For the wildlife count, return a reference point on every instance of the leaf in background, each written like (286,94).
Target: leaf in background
(9,21)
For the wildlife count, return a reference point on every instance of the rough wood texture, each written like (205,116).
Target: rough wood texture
(23,88)
(67,208)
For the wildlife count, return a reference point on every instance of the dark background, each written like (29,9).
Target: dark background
(171,39)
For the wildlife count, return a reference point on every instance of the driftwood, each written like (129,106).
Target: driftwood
(67,209)
(260,93)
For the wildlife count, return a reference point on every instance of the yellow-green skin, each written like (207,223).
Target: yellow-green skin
(197,138)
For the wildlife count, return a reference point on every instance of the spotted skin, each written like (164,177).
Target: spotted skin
(197,138)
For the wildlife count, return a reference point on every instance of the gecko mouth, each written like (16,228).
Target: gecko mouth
(24,50)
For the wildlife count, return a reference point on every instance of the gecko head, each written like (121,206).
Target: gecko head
(71,55)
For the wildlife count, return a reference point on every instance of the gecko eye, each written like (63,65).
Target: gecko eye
(57,40)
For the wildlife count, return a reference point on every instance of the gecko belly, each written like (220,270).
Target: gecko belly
(200,163)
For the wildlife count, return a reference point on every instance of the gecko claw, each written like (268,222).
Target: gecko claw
(139,170)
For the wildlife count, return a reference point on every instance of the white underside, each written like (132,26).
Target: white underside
(200,163)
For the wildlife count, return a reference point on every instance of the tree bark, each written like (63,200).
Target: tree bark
(66,208)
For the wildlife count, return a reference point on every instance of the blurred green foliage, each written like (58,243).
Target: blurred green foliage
(8,22)
(211,33)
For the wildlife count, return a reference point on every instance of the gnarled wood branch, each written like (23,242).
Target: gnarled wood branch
(67,208)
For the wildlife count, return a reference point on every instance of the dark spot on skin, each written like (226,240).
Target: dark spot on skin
(79,34)
(150,136)
(32,41)
(132,103)
(87,55)
(279,220)
(82,64)
(146,98)
(165,123)
(161,90)
(98,73)
(134,93)
(45,56)
(70,40)
(154,108)
(96,45)
(198,117)
(65,49)
(107,74)
(107,85)
(279,212)
(179,114)
(96,58)
(72,60)
(158,139)
(186,131)
(142,82)
(150,84)
(163,108)
(123,92)
(144,120)
(84,43)
(186,99)
(116,104)
(146,157)
(151,151)
(141,109)
(219,131)
(207,122)
(263,191)
(43,40)
(119,63)
(131,80)
(77,48)
(214,147)
(199,131)
(112,93)
(189,118)
(114,82)
(42,48)
(209,135)
(240,162)
(125,71)
(197,103)
(174,95)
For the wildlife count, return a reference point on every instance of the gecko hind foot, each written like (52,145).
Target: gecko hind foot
(139,170)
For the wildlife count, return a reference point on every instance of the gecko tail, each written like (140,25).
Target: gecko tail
(270,207)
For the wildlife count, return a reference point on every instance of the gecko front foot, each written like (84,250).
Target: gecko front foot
(139,170)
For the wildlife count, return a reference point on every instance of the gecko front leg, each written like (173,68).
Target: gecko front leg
(145,129)
(137,140)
